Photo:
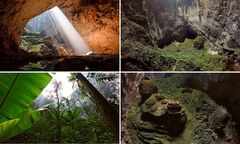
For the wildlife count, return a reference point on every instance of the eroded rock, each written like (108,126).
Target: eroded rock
(167,114)
(146,89)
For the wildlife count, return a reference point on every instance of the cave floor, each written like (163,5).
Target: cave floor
(61,63)
(174,57)
(198,107)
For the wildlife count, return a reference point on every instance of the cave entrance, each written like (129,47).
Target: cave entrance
(51,33)
(184,32)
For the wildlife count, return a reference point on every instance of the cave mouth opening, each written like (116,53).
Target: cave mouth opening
(51,33)
(179,35)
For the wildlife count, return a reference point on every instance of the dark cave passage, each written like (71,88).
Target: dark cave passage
(180,35)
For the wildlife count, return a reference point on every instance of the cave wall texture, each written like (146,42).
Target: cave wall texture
(97,21)
(223,88)
(159,22)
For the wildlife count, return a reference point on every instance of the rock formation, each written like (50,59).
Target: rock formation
(148,25)
(191,108)
(146,89)
(97,21)
(223,88)
(157,118)
(165,114)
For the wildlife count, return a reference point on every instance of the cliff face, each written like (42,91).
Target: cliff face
(223,88)
(218,20)
(167,20)
(92,20)
(148,25)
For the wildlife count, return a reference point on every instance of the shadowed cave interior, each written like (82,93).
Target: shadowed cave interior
(57,35)
(180,35)
(180,108)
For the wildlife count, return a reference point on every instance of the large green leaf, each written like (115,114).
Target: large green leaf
(16,126)
(7,127)
(18,90)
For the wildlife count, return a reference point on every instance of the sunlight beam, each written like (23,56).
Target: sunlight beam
(70,34)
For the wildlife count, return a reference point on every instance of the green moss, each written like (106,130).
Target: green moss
(174,57)
(132,117)
(200,58)
(171,88)
(35,48)
(198,42)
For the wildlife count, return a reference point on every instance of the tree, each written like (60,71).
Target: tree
(106,109)
(57,87)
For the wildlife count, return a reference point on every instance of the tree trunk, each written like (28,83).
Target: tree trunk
(106,109)
(58,135)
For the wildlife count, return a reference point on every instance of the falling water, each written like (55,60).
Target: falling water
(68,32)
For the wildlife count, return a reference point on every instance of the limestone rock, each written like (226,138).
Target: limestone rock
(218,119)
(165,113)
(146,89)
(98,27)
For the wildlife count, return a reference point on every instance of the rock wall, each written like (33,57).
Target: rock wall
(98,18)
(218,20)
(163,21)
(223,88)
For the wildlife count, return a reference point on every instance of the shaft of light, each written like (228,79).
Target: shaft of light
(69,32)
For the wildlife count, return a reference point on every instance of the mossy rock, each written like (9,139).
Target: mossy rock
(198,43)
(146,89)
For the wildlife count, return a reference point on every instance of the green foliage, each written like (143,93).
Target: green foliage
(75,128)
(6,128)
(171,87)
(198,42)
(103,77)
(19,125)
(17,92)
(78,118)
(200,58)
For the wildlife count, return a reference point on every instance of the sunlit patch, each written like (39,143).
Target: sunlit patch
(52,33)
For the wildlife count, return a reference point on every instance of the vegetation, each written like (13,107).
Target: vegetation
(186,52)
(198,42)
(171,88)
(17,92)
(52,116)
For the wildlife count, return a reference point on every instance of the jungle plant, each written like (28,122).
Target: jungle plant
(17,92)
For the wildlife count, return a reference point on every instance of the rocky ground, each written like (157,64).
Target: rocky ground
(168,111)
(62,63)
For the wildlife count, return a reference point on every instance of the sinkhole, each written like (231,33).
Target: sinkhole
(51,33)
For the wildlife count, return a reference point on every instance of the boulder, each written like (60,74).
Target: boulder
(146,89)
(218,120)
(165,113)
(199,42)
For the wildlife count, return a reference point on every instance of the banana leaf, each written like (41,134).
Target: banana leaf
(6,127)
(18,90)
